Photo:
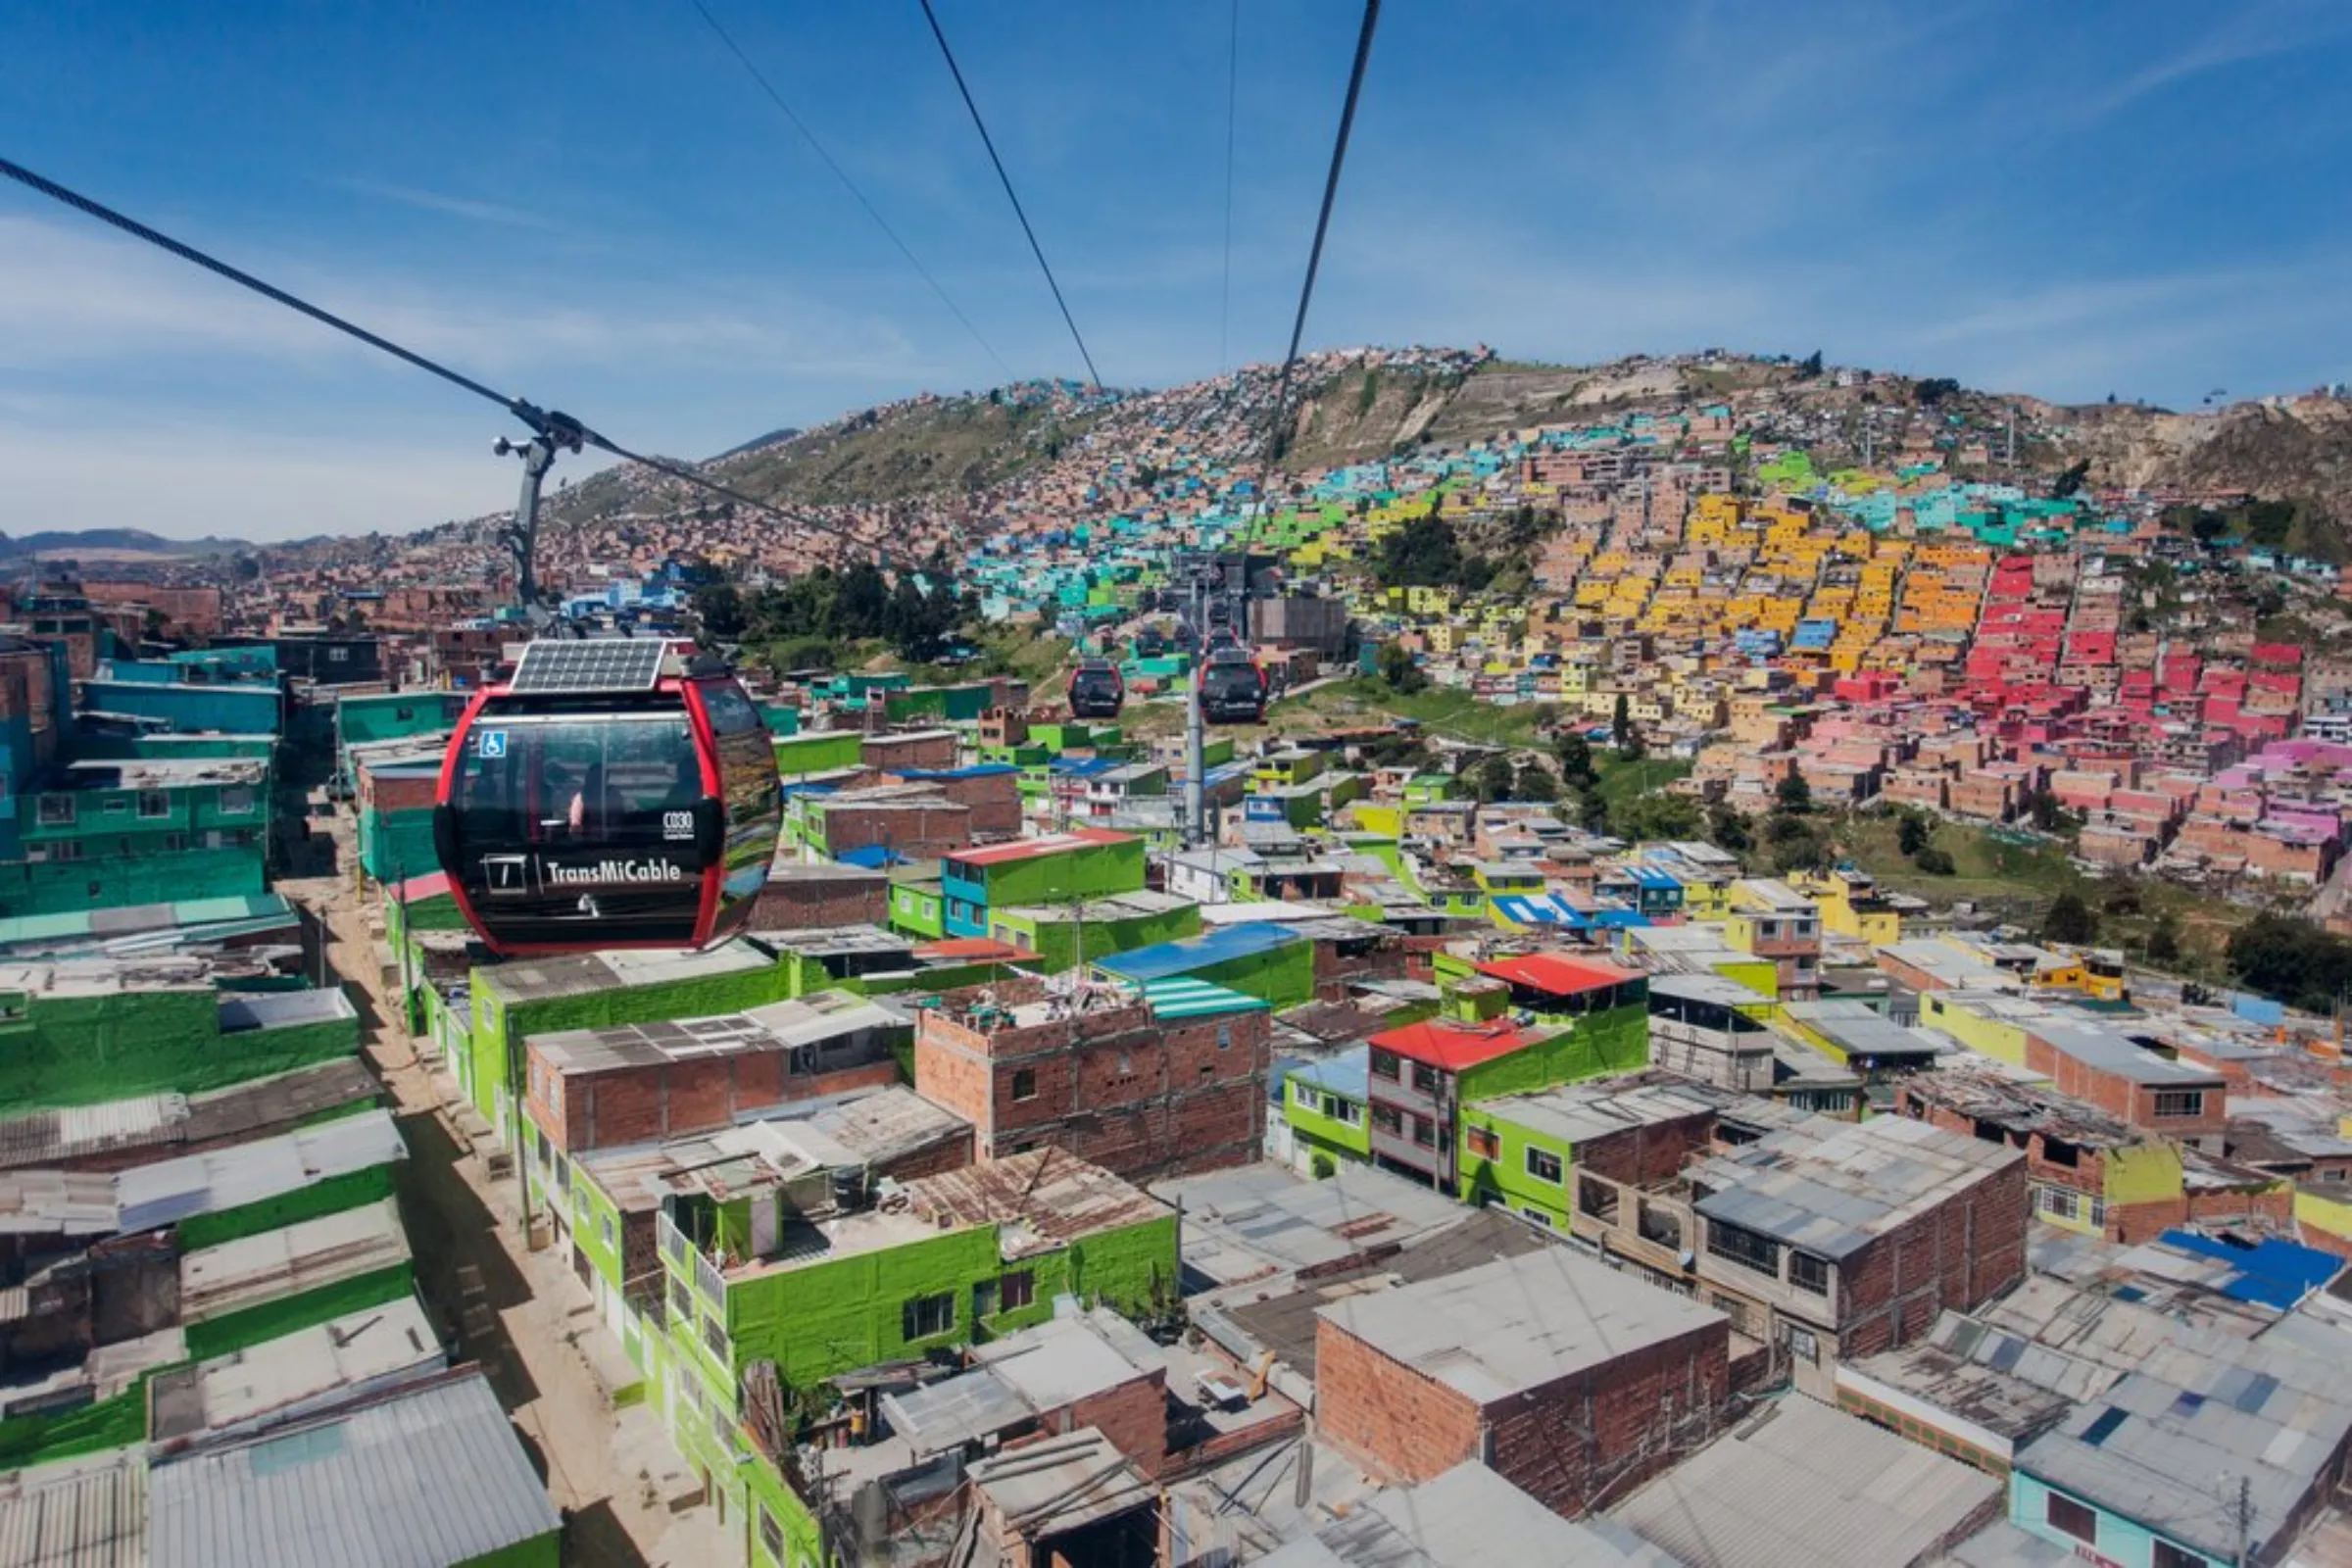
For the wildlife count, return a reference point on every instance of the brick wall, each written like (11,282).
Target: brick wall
(1118,1088)
(1646,1157)
(1134,1417)
(1392,1421)
(1606,1428)
(625,1106)
(1956,1255)
(816,903)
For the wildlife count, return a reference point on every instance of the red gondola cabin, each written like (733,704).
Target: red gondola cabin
(613,794)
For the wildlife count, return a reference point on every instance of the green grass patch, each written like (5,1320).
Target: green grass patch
(1622,781)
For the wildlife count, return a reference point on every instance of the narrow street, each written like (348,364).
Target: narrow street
(626,1498)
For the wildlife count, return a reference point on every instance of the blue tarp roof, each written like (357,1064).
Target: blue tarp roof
(872,857)
(1164,959)
(1540,910)
(977,770)
(2271,1273)
(1084,766)
(1348,1073)
(1650,877)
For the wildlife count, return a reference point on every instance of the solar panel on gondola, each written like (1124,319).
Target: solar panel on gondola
(607,797)
(612,665)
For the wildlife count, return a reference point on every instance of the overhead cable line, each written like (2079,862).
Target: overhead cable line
(1093,378)
(560,428)
(851,185)
(1314,262)
(1233,71)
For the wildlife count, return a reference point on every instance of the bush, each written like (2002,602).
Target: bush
(1324,1167)
(1934,862)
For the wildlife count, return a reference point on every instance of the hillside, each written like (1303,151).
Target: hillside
(926,471)
(121,544)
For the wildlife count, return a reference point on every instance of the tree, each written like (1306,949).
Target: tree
(1621,722)
(1534,783)
(1397,669)
(1728,830)
(1934,390)
(2043,809)
(1809,367)
(2071,481)
(1492,780)
(2291,959)
(1934,862)
(1910,836)
(1574,754)
(1794,795)
(1659,814)
(1592,809)
(720,608)
(1796,846)
(2163,941)
(2071,921)
(2209,526)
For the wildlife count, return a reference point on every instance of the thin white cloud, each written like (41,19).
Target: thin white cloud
(73,296)
(433,201)
(2248,32)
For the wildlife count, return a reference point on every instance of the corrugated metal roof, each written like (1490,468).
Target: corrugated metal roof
(174,1189)
(1517,1323)
(47,1136)
(1183,998)
(422,1480)
(1212,948)
(75,1516)
(1830,1192)
(1802,1484)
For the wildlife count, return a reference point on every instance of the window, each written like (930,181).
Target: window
(927,1315)
(2066,1515)
(1425,1132)
(1017,1290)
(1389,1119)
(174,842)
(715,1339)
(2180,1102)
(56,810)
(153,804)
(1024,1083)
(65,849)
(1482,1142)
(237,799)
(1425,1078)
(1809,1273)
(2164,1554)
(1384,1064)
(1543,1165)
(681,1304)
(1225,1037)
(1535,1217)
(603,1228)
(1304,1094)
(1744,1248)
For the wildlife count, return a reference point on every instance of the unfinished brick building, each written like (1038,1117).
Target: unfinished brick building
(1832,1240)
(1160,1081)
(1572,1381)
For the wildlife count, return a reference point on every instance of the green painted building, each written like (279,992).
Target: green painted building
(1325,1104)
(1083,863)
(514,1001)
(750,1288)
(1522,1151)
(1066,935)
(111,834)
(1257,957)
(827,750)
(94,1030)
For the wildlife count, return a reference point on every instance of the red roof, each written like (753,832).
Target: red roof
(431,885)
(1031,848)
(1453,1047)
(1550,972)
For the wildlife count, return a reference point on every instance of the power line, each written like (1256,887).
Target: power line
(545,422)
(851,185)
(1232,70)
(1314,259)
(1005,180)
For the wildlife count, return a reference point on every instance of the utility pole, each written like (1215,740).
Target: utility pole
(2245,1520)
(1196,792)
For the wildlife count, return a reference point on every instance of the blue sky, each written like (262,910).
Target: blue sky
(591,203)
